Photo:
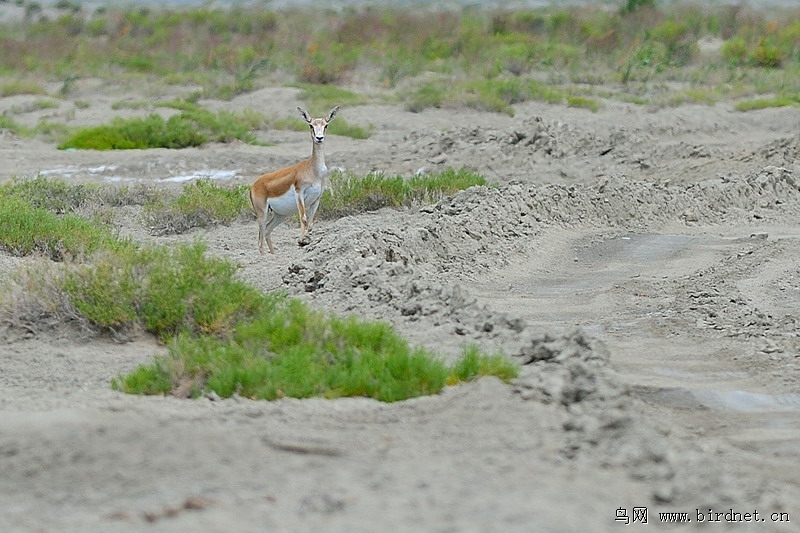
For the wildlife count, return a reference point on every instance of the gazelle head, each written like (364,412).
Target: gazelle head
(318,125)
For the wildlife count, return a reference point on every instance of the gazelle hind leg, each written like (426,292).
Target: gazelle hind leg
(261,219)
(269,225)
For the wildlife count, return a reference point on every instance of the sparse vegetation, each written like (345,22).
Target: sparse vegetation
(763,103)
(488,56)
(204,203)
(223,335)
(199,204)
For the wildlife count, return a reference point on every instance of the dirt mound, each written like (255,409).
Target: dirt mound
(782,152)
(476,229)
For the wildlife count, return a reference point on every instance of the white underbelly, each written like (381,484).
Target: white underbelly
(286,204)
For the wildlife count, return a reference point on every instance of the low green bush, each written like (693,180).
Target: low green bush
(138,133)
(18,87)
(293,351)
(192,127)
(30,230)
(426,95)
(356,194)
(201,203)
(764,103)
(9,124)
(54,195)
(164,290)
(582,101)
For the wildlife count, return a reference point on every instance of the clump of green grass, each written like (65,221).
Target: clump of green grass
(163,290)
(356,194)
(426,95)
(54,195)
(200,204)
(764,103)
(18,87)
(137,133)
(583,102)
(294,351)
(192,127)
(34,230)
(36,105)
(473,363)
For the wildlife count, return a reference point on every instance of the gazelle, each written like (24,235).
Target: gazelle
(294,189)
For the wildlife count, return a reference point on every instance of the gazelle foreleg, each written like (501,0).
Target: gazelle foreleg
(312,211)
(301,210)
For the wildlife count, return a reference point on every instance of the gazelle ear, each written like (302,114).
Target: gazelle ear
(305,114)
(332,113)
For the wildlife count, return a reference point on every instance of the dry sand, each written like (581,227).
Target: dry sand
(642,264)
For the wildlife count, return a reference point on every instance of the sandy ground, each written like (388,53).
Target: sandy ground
(641,264)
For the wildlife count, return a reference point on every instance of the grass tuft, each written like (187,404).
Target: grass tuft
(356,194)
(201,203)
(764,103)
(293,351)
(30,230)
(192,127)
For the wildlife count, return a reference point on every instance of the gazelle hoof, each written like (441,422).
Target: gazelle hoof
(305,241)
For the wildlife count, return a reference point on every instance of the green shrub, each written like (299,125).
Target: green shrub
(54,195)
(632,6)
(164,290)
(200,204)
(345,129)
(105,292)
(14,88)
(582,101)
(192,127)
(768,55)
(7,123)
(356,194)
(496,94)
(734,51)
(293,351)
(424,96)
(137,133)
(28,230)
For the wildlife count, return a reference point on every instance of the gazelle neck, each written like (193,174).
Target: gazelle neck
(318,159)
